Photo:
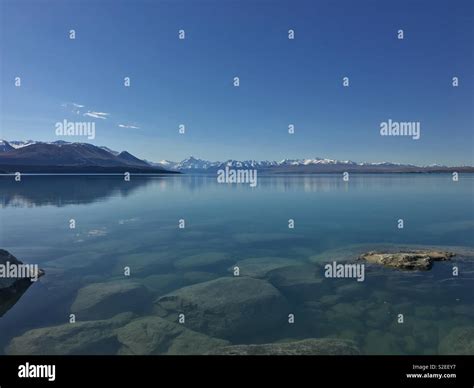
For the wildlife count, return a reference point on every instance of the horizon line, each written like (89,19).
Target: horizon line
(278,160)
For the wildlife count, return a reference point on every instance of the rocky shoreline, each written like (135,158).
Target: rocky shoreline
(250,314)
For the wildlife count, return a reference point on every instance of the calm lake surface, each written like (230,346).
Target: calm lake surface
(135,224)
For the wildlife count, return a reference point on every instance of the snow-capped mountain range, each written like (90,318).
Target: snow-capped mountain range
(83,154)
(193,163)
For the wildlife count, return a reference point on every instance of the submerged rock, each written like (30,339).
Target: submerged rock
(408,260)
(323,346)
(460,340)
(225,307)
(82,338)
(104,300)
(155,335)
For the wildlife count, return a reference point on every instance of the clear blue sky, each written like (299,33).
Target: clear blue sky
(282,81)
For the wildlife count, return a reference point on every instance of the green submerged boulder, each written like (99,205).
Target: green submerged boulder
(80,338)
(104,300)
(226,307)
(155,335)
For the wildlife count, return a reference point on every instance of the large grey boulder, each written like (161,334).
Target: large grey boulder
(313,346)
(104,300)
(155,335)
(226,307)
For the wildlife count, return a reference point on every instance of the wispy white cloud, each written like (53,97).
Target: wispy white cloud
(97,115)
(73,107)
(128,126)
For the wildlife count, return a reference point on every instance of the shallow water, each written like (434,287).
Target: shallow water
(135,224)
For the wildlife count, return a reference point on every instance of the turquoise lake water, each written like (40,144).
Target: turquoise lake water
(135,224)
